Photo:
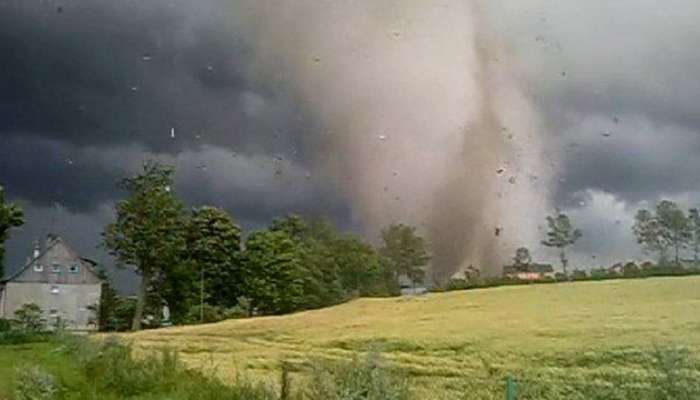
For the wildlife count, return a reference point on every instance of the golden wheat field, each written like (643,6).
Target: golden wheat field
(461,344)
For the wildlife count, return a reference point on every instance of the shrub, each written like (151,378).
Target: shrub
(5,325)
(33,383)
(29,317)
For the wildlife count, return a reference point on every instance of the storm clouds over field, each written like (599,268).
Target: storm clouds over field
(90,89)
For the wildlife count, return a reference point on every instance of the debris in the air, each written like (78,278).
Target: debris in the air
(618,222)
(607,134)
(307,176)
(500,171)
(317,59)
(386,188)
(234,154)
(497,231)
(616,120)
(202,167)
(563,73)
(172,133)
(146,57)
(210,67)
(582,203)
(167,189)
(396,173)
(59,9)
(382,137)
(69,161)
(134,88)
(198,136)
(511,180)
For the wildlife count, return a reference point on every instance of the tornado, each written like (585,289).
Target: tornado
(419,117)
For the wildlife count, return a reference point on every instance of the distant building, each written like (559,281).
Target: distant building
(529,272)
(63,284)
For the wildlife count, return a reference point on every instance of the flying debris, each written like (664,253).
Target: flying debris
(512,180)
(146,57)
(172,133)
(382,137)
(497,231)
(607,134)
(167,189)
(500,171)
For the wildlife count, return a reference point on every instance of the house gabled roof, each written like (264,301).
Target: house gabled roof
(88,263)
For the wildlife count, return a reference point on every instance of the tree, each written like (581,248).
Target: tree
(273,272)
(522,257)
(406,252)
(561,235)
(11,216)
(214,251)
(665,229)
(316,243)
(148,230)
(694,227)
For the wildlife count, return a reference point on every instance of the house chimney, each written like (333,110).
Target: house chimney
(37,250)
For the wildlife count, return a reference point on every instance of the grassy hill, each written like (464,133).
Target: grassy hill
(462,344)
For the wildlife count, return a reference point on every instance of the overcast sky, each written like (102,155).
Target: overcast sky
(90,89)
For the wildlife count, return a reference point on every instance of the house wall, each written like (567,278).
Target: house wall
(70,303)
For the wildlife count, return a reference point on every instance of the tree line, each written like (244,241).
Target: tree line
(199,264)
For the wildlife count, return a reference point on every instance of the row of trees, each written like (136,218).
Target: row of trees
(193,259)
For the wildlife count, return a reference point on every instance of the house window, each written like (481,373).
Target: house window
(38,267)
(75,268)
(56,268)
(54,290)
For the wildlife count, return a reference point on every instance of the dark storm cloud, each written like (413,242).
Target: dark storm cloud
(91,89)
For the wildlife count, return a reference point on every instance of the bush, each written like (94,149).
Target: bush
(29,317)
(33,383)
(5,325)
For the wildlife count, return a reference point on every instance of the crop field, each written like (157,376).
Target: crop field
(462,345)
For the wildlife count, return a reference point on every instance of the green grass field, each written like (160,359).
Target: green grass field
(461,344)
(43,354)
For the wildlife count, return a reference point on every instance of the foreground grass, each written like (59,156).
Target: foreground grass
(460,345)
(13,357)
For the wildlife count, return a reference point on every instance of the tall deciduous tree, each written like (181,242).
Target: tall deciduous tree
(273,272)
(666,229)
(148,232)
(561,235)
(406,251)
(11,216)
(214,251)
(316,242)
